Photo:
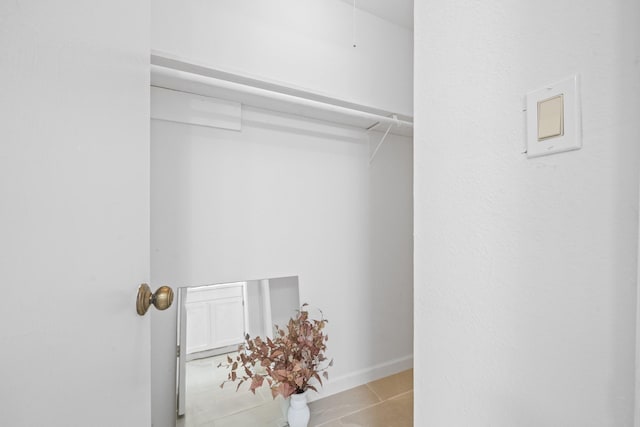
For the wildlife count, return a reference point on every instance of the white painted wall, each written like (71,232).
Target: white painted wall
(255,313)
(74,213)
(525,270)
(285,299)
(290,196)
(306,44)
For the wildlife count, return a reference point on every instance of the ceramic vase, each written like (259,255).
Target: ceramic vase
(298,413)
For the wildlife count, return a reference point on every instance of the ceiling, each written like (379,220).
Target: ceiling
(397,11)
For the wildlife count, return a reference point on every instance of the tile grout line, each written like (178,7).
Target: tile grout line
(400,394)
(357,410)
(393,396)
(368,407)
(380,401)
(348,414)
(373,391)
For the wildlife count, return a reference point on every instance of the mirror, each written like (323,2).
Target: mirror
(212,322)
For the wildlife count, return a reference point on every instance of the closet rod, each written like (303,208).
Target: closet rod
(277,96)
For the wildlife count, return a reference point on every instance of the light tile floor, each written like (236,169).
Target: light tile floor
(387,402)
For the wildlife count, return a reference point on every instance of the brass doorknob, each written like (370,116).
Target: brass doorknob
(161,299)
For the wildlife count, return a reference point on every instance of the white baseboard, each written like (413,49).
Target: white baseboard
(362,376)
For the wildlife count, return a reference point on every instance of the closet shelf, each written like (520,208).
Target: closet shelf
(177,74)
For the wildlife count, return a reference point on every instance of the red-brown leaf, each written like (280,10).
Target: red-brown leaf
(256,382)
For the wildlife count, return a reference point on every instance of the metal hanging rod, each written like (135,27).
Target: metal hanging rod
(186,76)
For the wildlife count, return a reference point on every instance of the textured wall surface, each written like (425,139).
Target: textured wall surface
(525,270)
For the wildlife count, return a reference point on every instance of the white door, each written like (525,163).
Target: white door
(74,213)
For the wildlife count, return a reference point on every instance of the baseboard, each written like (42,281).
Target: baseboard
(363,376)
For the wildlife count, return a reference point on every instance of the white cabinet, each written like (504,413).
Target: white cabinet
(215,317)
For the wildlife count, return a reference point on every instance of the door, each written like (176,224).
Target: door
(74,213)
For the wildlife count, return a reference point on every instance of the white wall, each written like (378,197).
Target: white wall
(285,300)
(254,308)
(525,270)
(308,45)
(302,43)
(291,196)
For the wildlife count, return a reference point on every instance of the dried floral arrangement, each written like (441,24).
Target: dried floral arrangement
(288,362)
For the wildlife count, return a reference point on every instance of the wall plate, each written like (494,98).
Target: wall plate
(548,133)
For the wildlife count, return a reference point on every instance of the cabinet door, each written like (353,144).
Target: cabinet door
(215,317)
(227,321)
(199,329)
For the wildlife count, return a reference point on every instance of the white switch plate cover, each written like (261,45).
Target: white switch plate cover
(572,138)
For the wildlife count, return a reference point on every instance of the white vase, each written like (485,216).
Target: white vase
(298,413)
(284,406)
